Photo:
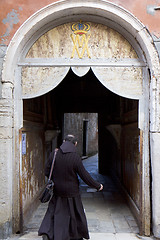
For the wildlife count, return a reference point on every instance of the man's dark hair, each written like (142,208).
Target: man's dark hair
(70,138)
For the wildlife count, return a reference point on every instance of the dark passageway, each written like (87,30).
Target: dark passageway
(118,133)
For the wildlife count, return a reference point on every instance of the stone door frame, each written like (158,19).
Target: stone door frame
(106,13)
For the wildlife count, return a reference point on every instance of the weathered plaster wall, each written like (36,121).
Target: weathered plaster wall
(13,14)
(32,172)
(102,42)
(38,139)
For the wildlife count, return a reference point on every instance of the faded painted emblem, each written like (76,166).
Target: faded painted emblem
(80,38)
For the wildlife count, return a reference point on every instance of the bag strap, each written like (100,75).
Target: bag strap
(55,152)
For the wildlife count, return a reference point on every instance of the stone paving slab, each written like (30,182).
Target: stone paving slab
(27,236)
(102,236)
(117,236)
(31,235)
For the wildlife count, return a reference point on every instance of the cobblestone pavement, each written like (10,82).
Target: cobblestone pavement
(108,216)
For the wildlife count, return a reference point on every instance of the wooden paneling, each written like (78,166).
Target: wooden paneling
(131,161)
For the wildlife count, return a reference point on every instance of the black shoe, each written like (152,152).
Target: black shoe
(45,237)
(77,239)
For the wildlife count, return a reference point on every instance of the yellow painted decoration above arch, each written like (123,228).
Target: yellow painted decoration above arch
(103,42)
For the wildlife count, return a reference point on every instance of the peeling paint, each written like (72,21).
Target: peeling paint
(151,9)
(11,19)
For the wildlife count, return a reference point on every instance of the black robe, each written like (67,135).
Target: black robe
(65,218)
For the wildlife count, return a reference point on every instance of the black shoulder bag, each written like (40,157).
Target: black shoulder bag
(48,191)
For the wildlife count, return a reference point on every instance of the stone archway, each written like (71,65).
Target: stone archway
(103,13)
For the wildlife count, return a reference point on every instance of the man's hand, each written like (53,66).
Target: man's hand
(101,188)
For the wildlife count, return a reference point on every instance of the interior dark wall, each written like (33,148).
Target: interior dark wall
(109,154)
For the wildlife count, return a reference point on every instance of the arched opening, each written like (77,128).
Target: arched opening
(125,79)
